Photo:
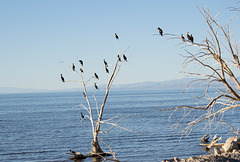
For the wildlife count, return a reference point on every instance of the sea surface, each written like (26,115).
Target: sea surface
(45,126)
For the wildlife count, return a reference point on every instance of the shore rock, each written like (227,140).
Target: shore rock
(231,144)
(230,152)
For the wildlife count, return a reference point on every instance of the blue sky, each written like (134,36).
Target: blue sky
(37,36)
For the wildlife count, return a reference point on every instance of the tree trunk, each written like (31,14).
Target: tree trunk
(95,145)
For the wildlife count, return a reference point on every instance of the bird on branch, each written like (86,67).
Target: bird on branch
(105,63)
(81,62)
(124,57)
(62,78)
(107,71)
(116,36)
(82,115)
(95,85)
(190,37)
(119,58)
(183,39)
(96,76)
(73,67)
(160,31)
(81,70)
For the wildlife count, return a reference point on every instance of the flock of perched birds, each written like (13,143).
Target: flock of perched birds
(95,74)
(189,37)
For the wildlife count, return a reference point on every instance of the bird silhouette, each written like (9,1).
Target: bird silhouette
(81,62)
(62,78)
(95,85)
(107,71)
(188,36)
(116,36)
(160,31)
(119,58)
(191,38)
(106,65)
(124,57)
(96,76)
(73,67)
(182,37)
(82,115)
(81,70)
(84,94)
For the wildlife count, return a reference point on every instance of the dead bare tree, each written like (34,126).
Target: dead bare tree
(98,111)
(218,60)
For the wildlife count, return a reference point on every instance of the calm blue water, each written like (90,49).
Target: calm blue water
(44,126)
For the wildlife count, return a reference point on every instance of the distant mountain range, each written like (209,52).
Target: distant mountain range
(176,83)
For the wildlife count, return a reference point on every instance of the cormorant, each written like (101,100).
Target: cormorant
(160,31)
(182,37)
(73,67)
(96,76)
(119,58)
(62,78)
(81,70)
(95,85)
(81,62)
(105,62)
(116,36)
(124,57)
(188,36)
(191,38)
(82,115)
(107,71)
(84,94)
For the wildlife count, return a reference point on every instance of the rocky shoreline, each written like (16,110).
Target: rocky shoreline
(230,151)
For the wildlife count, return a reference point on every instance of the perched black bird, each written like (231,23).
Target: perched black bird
(84,94)
(124,57)
(107,71)
(96,76)
(116,36)
(119,58)
(106,65)
(188,36)
(62,78)
(160,31)
(81,62)
(191,38)
(95,85)
(73,67)
(182,37)
(82,115)
(81,70)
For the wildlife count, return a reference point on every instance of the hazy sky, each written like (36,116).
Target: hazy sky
(40,39)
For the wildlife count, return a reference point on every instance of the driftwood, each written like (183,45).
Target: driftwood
(77,155)
(204,139)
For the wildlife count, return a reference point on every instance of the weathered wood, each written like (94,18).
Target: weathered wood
(214,145)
